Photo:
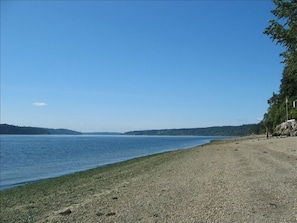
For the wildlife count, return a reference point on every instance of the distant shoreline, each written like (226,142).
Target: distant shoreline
(241,130)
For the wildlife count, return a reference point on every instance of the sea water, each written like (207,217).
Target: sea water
(25,159)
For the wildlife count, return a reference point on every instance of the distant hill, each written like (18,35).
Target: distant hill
(102,133)
(209,131)
(24,130)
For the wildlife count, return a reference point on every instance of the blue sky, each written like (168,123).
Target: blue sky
(134,65)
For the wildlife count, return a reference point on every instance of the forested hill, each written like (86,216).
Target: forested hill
(209,131)
(17,130)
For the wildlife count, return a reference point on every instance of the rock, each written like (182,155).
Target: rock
(67,212)
(286,132)
(288,128)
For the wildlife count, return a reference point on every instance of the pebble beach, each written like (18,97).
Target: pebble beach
(248,179)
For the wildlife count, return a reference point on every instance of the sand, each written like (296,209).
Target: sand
(240,180)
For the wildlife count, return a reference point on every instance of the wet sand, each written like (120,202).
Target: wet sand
(248,179)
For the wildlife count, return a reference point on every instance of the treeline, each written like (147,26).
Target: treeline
(209,131)
(283,30)
(22,130)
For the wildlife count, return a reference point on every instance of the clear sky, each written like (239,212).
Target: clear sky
(136,65)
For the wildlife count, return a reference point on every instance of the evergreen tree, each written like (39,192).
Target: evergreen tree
(283,30)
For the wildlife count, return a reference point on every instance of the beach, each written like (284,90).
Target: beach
(248,179)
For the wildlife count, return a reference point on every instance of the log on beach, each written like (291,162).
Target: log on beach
(237,180)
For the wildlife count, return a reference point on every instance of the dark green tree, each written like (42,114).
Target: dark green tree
(283,30)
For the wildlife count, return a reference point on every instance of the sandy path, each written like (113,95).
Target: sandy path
(251,180)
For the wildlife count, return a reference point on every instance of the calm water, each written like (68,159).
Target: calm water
(26,159)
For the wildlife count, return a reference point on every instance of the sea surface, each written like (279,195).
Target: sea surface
(25,159)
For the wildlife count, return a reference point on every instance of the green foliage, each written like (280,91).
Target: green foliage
(17,130)
(283,30)
(288,85)
(258,129)
(210,131)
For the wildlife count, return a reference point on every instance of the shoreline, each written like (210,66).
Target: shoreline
(235,179)
(94,166)
(8,187)
(23,184)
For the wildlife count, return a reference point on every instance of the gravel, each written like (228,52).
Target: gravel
(238,180)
